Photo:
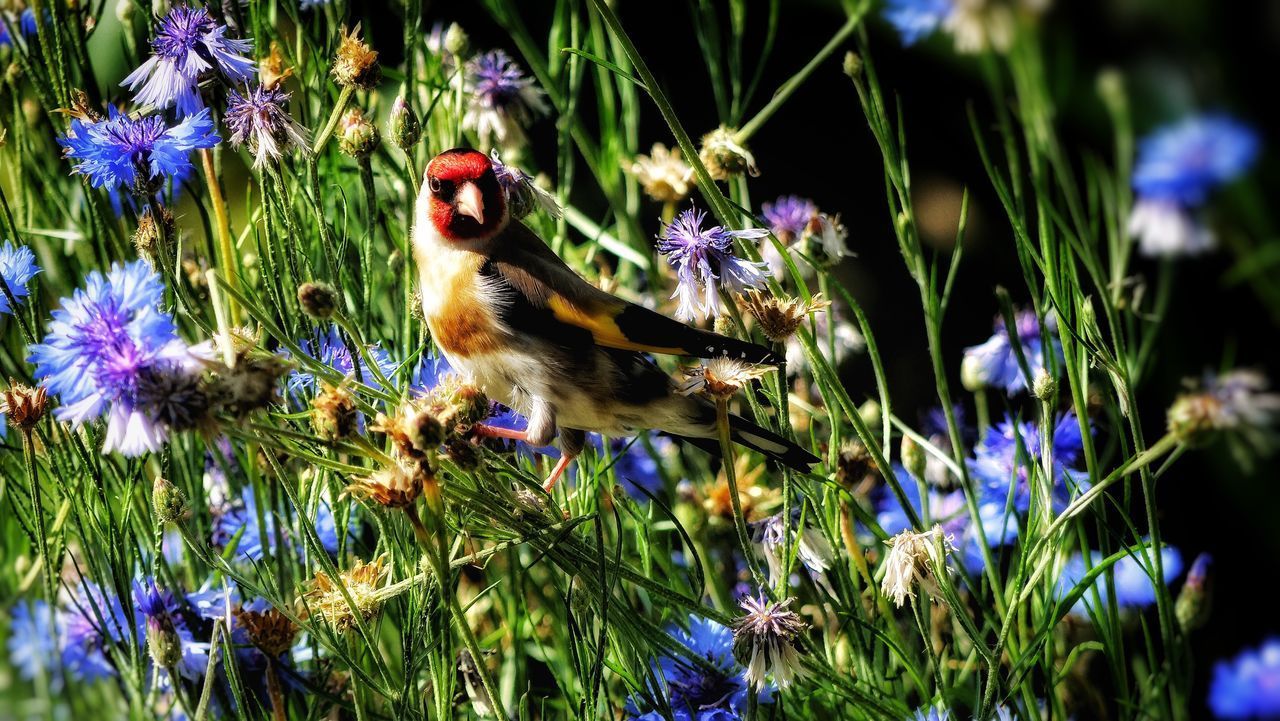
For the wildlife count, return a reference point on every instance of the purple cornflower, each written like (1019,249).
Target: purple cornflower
(1248,686)
(523,195)
(704,259)
(1131,580)
(259,118)
(717,692)
(917,19)
(1178,166)
(135,154)
(791,219)
(503,100)
(17,267)
(111,350)
(188,44)
(994,363)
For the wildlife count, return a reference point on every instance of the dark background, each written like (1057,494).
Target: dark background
(1177,56)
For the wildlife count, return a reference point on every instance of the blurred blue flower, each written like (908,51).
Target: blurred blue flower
(695,693)
(947,509)
(789,216)
(634,465)
(26,24)
(917,19)
(1131,581)
(187,45)
(994,363)
(252,543)
(94,622)
(1003,469)
(111,350)
(260,118)
(1248,686)
(331,349)
(17,267)
(135,154)
(1178,165)
(32,646)
(503,100)
(704,263)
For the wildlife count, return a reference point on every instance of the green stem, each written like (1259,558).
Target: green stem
(230,267)
(343,99)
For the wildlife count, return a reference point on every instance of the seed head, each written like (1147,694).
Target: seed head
(720,378)
(764,641)
(663,174)
(778,318)
(393,486)
(272,70)
(912,559)
(333,413)
(153,235)
(318,299)
(362,581)
(23,405)
(269,630)
(356,64)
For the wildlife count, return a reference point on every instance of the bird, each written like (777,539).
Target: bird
(516,321)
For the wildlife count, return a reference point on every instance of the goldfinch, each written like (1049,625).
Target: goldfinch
(521,325)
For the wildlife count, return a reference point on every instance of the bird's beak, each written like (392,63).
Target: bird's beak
(470,202)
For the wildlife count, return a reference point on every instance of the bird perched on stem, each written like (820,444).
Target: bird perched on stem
(535,336)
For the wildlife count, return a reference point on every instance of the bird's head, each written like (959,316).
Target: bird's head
(462,196)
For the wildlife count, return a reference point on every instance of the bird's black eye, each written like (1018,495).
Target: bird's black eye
(433,184)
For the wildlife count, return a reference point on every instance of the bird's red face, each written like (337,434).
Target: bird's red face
(465,201)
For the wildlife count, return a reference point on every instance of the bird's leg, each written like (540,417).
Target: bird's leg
(572,441)
(485,431)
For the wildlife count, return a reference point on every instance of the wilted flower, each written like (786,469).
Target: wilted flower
(318,299)
(502,100)
(725,156)
(355,64)
(1235,402)
(721,378)
(268,629)
(414,429)
(764,641)
(812,549)
(111,350)
(362,582)
(714,691)
(704,262)
(780,318)
(797,222)
(1131,579)
(995,362)
(1178,166)
(523,195)
(17,268)
(260,119)
(393,486)
(22,405)
(136,154)
(153,237)
(333,413)
(272,70)
(663,174)
(187,45)
(1245,687)
(914,558)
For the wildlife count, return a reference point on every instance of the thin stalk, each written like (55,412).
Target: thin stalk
(226,250)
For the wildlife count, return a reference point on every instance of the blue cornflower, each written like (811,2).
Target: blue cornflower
(703,259)
(252,544)
(188,44)
(635,466)
(503,100)
(94,622)
(1177,167)
(1003,471)
(260,118)
(930,713)
(1248,686)
(136,154)
(695,693)
(1131,581)
(111,350)
(917,19)
(995,362)
(331,350)
(26,23)
(17,266)
(792,218)
(162,612)
(32,648)
(789,217)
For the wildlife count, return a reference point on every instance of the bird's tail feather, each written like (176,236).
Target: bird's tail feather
(766,442)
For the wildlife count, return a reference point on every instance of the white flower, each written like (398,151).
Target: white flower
(763,641)
(911,560)
(1165,229)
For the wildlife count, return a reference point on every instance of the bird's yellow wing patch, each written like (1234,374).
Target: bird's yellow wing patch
(603,326)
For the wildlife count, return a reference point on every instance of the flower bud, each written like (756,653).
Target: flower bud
(163,641)
(913,458)
(1195,600)
(357,136)
(168,502)
(456,40)
(852,65)
(869,412)
(1045,386)
(403,125)
(318,299)
(724,156)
